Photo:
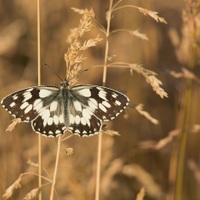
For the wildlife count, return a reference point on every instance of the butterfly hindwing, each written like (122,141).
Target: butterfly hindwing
(82,120)
(51,119)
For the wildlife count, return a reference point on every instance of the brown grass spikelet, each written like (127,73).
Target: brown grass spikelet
(144,11)
(13,124)
(139,108)
(90,43)
(72,57)
(152,14)
(32,194)
(69,151)
(155,84)
(11,188)
(138,34)
(149,75)
(151,79)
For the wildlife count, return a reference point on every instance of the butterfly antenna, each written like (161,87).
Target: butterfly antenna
(77,75)
(53,71)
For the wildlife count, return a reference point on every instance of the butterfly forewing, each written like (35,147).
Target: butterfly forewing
(103,102)
(19,104)
(25,104)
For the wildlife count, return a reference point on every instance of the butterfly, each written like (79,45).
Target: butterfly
(80,109)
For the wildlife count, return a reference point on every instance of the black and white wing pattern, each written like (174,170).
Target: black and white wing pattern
(42,106)
(80,109)
(90,105)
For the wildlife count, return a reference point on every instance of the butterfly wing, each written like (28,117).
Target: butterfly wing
(104,102)
(50,120)
(32,105)
(21,103)
(80,110)
(90,105)
(82,120)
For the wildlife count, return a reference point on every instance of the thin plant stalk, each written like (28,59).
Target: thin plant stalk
(183,141)
(55,169)
(39,83)
(99,150)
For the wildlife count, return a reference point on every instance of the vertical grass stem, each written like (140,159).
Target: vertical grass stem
(39,83)
(99,150)
(55,169)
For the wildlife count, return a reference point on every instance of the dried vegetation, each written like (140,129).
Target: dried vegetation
(139,149)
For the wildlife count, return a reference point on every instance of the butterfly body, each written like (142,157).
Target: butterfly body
(52,110)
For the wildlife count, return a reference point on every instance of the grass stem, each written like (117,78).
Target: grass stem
(55,169)
(39,83)
(183,143)
(97,192)
(183,140)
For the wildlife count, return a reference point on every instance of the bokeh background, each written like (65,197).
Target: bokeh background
(129,161)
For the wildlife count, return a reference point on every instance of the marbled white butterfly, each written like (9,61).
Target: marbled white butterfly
(80,109)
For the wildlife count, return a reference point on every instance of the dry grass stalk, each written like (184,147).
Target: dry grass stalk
(144,178)
(73,58)
(152,14)
(195,169)
(32,163)
(66,137)
(13,124)
(114,168)
(151,79)
(135,33)
(191,59)
(155,84)
(185,73)
(167,140)
(32,194)
(191,17)
(161,143)
(111,132)
(11,188)
(146,12)
(149,75)
(139,108)
(139,35)
(141,194)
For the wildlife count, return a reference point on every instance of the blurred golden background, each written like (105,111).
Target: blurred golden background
(129,161)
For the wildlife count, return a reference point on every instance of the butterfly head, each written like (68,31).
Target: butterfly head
(64,84)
